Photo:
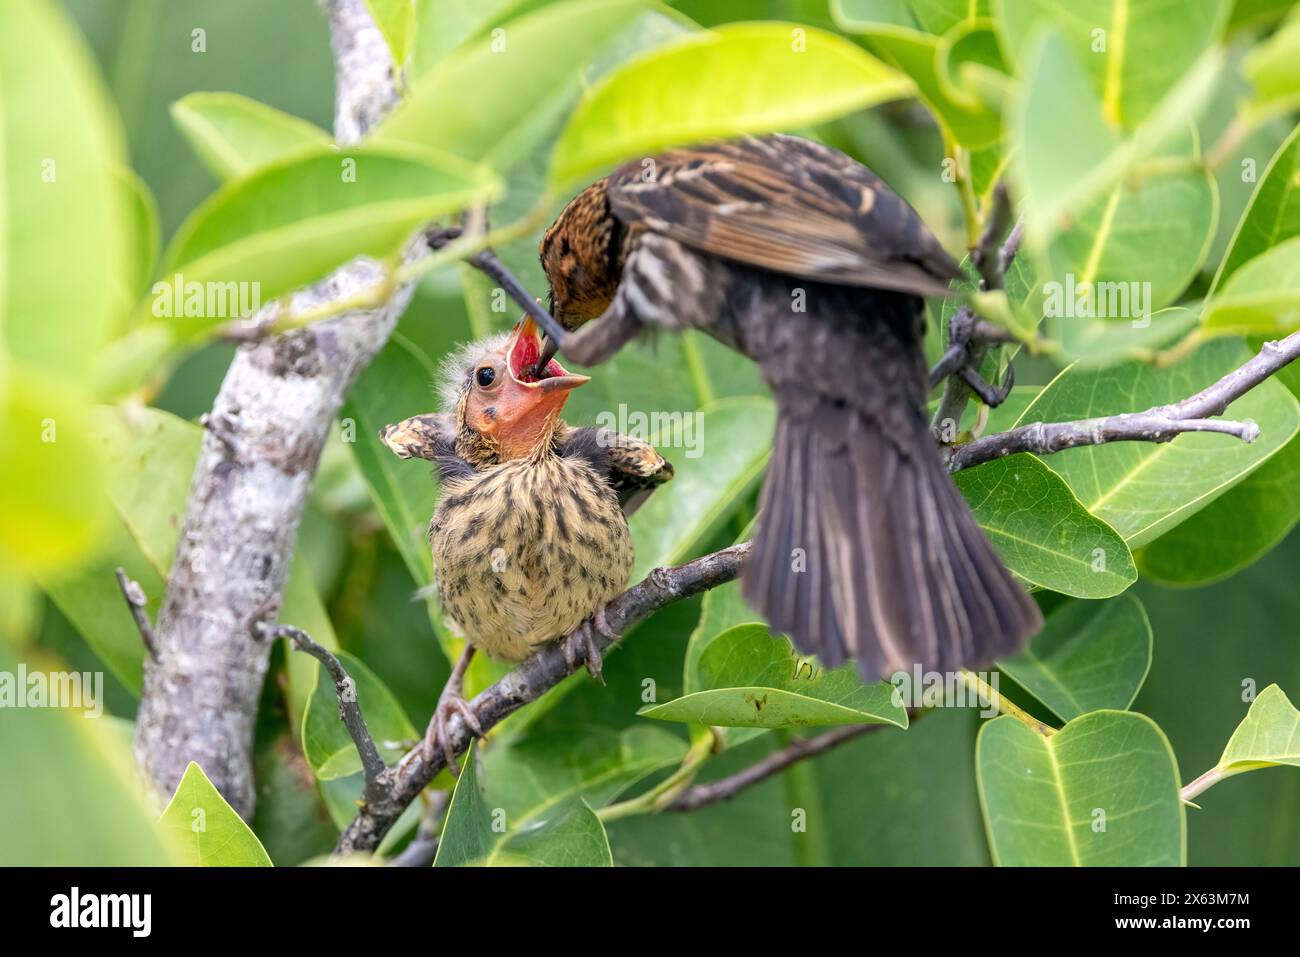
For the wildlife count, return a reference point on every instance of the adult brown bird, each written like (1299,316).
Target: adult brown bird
(530,538)
(805,261)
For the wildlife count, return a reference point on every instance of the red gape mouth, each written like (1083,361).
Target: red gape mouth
(524,352)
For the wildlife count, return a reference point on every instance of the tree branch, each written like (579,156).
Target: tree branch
(1157,424)
(724,789)
(136,602)
(528,682)
(345,689)
(259,455)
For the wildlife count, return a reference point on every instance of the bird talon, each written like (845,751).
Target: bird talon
(988,394)
(452,699)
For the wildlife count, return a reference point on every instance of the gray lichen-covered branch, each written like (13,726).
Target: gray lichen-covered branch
(264,438)
(403,782)
(1159,424)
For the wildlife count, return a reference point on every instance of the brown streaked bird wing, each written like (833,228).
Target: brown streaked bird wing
(789,205)
(633,468)
(421,436)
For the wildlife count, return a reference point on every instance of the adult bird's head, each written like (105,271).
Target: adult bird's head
(582,255)
(504,409)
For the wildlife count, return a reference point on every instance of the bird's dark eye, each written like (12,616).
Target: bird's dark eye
(485,376)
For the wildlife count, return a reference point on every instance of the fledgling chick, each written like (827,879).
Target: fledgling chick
(804,260)
(529,539)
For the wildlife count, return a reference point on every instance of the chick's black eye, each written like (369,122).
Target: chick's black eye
(485,376)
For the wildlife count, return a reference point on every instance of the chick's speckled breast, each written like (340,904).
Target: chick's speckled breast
(524,551)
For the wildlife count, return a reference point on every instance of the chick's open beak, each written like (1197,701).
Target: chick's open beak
(531,368)
(531,399)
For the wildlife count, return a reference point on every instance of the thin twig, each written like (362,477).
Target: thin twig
(136,601)
(1157,424)
(349,707)
(534,677)
(724,789)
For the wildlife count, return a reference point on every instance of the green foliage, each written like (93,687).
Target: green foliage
(199,819)
(1127,133)
(1102,791)
(746,679)
(1090,655)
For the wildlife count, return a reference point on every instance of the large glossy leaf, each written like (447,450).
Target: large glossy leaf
(1143,489)
(325,741)
(395,386)
(1057,105)
(1273,213)
(1269,736)
(1042,532)
(1261,297)
(718,453)
(519,83)
(1146,236)
(1103,791)
(61,151)
(199,819)
(234,135)
(749,679)
(1232,531)
(1090,655)
(1134,51)
(922,56)
(70,792)
(294,220)
(529,775)
(568,835)
(746,78)
(1274,69)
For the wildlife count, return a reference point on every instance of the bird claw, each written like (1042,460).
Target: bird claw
(583,639)
(452,700)
(990,396)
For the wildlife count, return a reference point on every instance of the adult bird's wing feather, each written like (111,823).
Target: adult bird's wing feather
(789,205)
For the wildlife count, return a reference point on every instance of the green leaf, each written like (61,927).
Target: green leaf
(707,486)
(396,21)
(1234,530)
(70,790)
(567,835)
(744,78)
(142,225)
(1267,738)
(149,456)
(1133,51)
(199,818)
(443,27)
(1103,791)
(1137,246)
(325,741)
(1273,214)
(519,83)
(234,135)
(395,386)
(926,59)
(1042,532)
(1143,489)
(1090,655)
(1261,297)
(293,221)
(1274,69)
(751,680)
(61,152)
(1058,105)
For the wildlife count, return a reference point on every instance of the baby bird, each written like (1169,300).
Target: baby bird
(530,538)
